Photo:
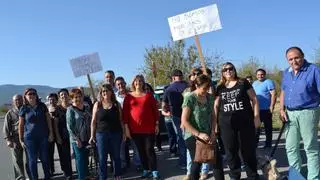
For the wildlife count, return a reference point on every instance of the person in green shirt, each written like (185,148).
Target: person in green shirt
(198,119)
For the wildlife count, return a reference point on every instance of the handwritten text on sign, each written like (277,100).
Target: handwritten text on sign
(86,64)
(195,22)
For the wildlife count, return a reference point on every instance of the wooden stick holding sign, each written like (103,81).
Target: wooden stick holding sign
(85,65)
(91,87)
(203,63)
(193,23)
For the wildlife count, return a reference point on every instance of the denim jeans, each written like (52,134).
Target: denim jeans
(82,159)
(171,135)
(181,142)
(37,147)
(135,159)
(109,142)
(303,124)
(204,167)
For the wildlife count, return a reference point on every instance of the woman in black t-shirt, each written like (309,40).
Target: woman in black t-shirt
(237,111)
(107,130)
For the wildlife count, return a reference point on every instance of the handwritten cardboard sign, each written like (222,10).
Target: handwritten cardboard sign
(86,64)
(195,22)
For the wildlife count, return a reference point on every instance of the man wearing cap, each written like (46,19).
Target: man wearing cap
(173,99)
(299,108)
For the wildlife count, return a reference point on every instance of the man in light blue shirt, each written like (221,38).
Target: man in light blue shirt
(299,108)
(266,95)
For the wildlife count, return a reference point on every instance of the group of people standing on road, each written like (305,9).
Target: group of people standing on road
(228,114)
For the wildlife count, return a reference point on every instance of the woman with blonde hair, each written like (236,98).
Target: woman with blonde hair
(141,119)
(237,112)
(107,130)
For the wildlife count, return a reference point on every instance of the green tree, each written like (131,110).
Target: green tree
(275,74)
(249,67)
(175,55)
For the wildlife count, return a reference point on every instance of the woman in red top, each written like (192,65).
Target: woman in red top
(141,120)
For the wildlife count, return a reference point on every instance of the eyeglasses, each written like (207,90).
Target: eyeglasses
(31,94)
(196,73)
(227,69)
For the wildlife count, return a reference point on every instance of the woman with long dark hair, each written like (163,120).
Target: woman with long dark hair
(198,119)
(107,129)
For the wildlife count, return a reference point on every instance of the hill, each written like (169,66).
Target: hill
(8,90)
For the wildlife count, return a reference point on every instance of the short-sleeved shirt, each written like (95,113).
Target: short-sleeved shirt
(35,122)
(173,96)
(235,100)
(262,90)
(301,91)
(201,114)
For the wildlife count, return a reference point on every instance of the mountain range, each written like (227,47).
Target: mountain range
(8,90)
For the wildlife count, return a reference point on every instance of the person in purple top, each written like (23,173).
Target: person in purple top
(299,108)
(174,99)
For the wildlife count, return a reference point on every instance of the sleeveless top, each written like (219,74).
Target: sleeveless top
(108,120)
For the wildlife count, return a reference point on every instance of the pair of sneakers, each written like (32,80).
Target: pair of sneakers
(154,174)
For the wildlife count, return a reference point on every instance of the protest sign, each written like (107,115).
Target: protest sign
(86,64)
(195,22)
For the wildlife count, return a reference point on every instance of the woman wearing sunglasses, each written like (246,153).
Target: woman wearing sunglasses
(237,111)
(35,130)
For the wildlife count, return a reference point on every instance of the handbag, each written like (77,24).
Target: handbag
(205,152)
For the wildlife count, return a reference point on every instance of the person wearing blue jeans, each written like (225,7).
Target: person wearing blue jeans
(173,99)
(135,159)
(78,122)
(171,135)
(107,130)
(181,142)
(82,159)
(204,167)
(35,131)
(108,142)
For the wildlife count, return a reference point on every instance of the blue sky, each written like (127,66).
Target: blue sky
(38,37)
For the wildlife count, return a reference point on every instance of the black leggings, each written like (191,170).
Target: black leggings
(196,167)
(238,132)
(145,145)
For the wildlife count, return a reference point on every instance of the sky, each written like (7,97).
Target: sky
(39,37)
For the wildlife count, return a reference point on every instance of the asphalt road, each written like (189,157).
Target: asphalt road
(166,165)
